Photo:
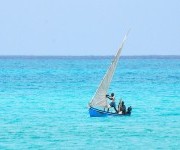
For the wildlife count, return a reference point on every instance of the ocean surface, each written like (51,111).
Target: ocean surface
(43,103)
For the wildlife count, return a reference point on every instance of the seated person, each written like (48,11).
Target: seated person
(129,110)
(120,106)
(123,108)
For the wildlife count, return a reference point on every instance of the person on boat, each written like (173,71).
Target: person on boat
(123,108)
(129,110)
(112,104)
(120,106)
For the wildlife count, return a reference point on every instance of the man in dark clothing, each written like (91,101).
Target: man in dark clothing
(129,110)
(123,108)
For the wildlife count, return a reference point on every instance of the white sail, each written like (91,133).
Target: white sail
(99,99)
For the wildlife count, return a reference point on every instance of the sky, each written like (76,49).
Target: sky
(89,27)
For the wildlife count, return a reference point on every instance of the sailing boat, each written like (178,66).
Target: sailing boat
(99,101)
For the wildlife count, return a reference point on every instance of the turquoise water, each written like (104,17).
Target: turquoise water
(43,103)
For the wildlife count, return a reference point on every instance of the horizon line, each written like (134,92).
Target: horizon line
(151,55)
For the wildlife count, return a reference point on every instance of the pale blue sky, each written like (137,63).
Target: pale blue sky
(89,27)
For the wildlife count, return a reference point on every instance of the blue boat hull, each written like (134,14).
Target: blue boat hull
(100,113)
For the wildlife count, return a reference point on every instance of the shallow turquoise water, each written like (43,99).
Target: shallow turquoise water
(43,103)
